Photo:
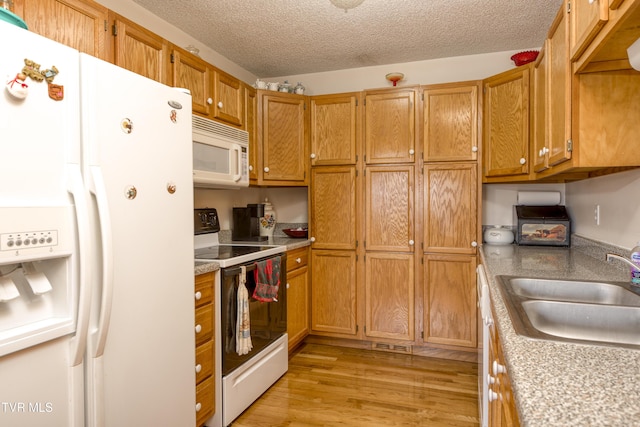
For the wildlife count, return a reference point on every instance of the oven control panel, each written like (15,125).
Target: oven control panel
(206,221)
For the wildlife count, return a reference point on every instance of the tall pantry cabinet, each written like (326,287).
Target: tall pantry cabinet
(450,201)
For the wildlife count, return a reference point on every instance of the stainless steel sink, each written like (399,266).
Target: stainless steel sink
(573,310)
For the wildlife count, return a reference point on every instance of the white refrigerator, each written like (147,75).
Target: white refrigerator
(96,242)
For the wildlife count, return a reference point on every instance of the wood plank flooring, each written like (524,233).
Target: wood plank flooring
(338,386)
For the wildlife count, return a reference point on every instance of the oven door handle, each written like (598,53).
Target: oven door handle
(234,271)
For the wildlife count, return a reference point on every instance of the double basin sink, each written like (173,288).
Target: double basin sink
(591,312)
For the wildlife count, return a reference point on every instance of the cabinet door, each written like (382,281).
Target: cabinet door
(506,123)
(193,73)
(297,305)
(450,315)
(333,207)
(333,292)
(141,51)
(228,99)
(334,129)
(389,222)
(587,19)
(282,129)
(389,296)
(390,126)
(450,208)
(450,122)
(539,110)
(559,93)
(251,126)
(80,24)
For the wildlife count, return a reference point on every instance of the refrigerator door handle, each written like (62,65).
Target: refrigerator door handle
(76,188)
(99,336)
(238,151)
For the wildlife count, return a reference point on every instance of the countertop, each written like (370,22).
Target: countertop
(557,383)
(290,243)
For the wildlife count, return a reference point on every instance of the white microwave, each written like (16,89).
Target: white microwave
(220,155)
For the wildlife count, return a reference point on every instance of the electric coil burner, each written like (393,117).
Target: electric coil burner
(244,377)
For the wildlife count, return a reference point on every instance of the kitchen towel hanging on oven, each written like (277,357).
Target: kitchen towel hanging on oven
(267,277)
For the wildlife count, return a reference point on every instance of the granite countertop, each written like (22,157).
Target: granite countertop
(558,383)
(279,240)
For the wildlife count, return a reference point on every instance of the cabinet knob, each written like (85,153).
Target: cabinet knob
(198,329)
(198,368)
(288,285)
(490,379)
(313,155)
(250,167)
(266,169)
(474,244)
(313,239)
(498,368)
(523,161)
(198,406)
(209,101)
(220,104)
(492,395)
(198,295)
(298,260)
(592,1)
(474,149)
(411,242)
(412,152)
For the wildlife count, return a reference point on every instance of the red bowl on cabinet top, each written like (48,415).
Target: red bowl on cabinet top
(296,232)
(522,58)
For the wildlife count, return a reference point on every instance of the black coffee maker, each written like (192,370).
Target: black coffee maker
(246,223)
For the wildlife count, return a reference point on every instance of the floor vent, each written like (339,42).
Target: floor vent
(394,348)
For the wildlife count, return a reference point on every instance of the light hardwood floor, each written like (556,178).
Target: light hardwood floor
(337,386)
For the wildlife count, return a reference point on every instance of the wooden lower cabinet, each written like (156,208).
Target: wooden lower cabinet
(450,312)
(389,296)
(205,345)
(297,296)
(333,292)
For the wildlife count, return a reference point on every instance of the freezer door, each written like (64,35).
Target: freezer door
(137,142)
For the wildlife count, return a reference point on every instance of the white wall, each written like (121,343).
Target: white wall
(289,203)
(498,201)
(619,198)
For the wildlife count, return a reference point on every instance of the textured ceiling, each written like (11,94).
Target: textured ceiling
(286,37)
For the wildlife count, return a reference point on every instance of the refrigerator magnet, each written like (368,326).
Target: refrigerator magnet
(17,88)
(56,92)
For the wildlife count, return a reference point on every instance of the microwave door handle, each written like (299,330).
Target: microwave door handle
(238,151)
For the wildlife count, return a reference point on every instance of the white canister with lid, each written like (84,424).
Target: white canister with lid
(268,221)
(498,235)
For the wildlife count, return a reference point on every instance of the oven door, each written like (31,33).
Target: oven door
(268,320)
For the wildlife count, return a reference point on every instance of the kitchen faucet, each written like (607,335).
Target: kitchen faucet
(621,258)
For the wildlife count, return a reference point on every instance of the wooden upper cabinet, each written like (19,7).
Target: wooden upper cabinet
(587,19)
(389,126)
(389,296)
(193,73)
(389,209)
(539,145)
(450,315)
(506,123)
(228,99)
(141,51)
(282,139)
(450,122)
(80,24)
(334,129)
(333,207)
(450,208)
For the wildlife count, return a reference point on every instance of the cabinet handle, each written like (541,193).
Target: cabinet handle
(198,329)
(198,406)
(198,368)
(474,149)
(490,379)
(288,285)
(266,169)
(209,101)
(412,152)
(498,368)
(198,295)
(474,244)
(488,321)
(313,239)
(411,242)
(298,260)
(220,104)
(250,168)
(592,1)
(492,395)
(523,161)
(313,155)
